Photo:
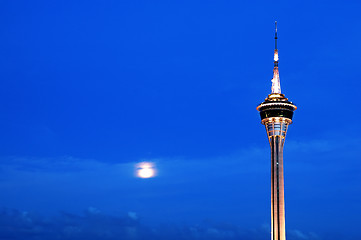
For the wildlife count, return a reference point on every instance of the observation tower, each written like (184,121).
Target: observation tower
(276,114)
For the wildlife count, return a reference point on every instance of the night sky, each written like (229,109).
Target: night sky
(89,89)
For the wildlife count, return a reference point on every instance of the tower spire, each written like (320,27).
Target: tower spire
(276,85)
(275,34)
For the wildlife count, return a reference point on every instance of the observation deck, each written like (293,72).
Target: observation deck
(276,107)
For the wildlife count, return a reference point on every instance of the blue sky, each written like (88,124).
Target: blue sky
(90,88)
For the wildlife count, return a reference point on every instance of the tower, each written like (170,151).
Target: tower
(276,114)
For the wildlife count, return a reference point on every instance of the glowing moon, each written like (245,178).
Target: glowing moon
(145,170)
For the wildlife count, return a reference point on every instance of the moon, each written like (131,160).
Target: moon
(145,170)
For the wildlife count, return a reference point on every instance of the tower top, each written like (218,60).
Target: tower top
(276,107)
(276,85)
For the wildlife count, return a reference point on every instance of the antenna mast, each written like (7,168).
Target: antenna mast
(276,85)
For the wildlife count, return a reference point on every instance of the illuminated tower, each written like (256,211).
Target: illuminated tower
(276,114)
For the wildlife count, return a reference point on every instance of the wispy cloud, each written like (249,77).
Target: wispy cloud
(299,235)
(93,224)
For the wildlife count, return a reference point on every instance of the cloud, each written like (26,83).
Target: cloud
(92,224)
(299,235)
(133,215)
(16,224)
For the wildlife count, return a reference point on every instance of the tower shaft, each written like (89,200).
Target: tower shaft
(276,132)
